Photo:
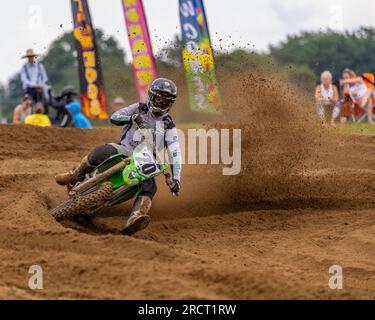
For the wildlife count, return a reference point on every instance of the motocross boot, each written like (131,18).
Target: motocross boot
(139,218)
(75,175)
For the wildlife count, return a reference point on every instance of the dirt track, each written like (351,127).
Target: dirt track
(301,204)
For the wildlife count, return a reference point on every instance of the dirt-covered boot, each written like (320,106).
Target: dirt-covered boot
(139,218)
(75,175)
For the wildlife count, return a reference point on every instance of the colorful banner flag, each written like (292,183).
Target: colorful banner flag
(140,44)
(89,65)
(198,57)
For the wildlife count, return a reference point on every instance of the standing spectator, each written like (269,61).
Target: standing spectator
(360,94)
(23,110)
(34,77)
(326,97)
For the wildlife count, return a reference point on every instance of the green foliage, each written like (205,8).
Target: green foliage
(62,68)
(356,128)
(118,74)
(240,60)
(330,50)
(302,76)
(12,96)
(60,63)
(299,60)
(2,98)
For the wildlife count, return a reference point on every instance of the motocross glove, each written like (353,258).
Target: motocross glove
(139,121)
(175,187)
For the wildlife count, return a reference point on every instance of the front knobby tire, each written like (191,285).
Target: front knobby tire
(82,204)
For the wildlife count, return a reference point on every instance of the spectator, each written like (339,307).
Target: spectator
(78,119)
(23,110)
(326,96)
(34,77)
(118,103)
(38,118)
(344,106)
(360,94)
(369,80)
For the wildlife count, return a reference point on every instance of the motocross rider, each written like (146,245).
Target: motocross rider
(161,97)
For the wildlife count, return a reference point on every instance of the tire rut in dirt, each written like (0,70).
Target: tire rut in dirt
(81,205)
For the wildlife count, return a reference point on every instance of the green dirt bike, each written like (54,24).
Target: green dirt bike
(116,180)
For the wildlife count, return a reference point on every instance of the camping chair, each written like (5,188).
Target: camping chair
(359,115)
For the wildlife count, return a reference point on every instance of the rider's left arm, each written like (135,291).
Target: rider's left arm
(174,152)
(124,116)
(351,81)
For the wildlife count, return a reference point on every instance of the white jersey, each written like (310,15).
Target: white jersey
(358,91)
(326,94)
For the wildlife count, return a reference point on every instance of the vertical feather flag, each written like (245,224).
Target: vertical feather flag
(90,71)
(143,59)
(198,57)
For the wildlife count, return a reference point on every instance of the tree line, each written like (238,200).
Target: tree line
(300,59)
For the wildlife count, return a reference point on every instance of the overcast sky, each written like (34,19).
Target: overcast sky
(250,23)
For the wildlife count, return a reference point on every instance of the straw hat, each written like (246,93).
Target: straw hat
(30,53)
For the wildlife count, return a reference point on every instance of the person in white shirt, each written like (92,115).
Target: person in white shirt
(34,77)
(360,94)
(326,96)
(23,110)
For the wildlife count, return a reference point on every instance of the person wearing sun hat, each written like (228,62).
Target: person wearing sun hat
(33,76)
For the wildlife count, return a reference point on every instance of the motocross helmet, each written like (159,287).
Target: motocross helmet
(161,96)
(69,93)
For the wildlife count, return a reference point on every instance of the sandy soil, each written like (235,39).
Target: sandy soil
(303,202)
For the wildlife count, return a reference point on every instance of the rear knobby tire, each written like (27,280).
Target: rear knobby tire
(82,204)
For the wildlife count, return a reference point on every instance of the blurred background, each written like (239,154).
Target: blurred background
(295,40)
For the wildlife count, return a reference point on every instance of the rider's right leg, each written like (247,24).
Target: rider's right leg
(87,165)
(140,214)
